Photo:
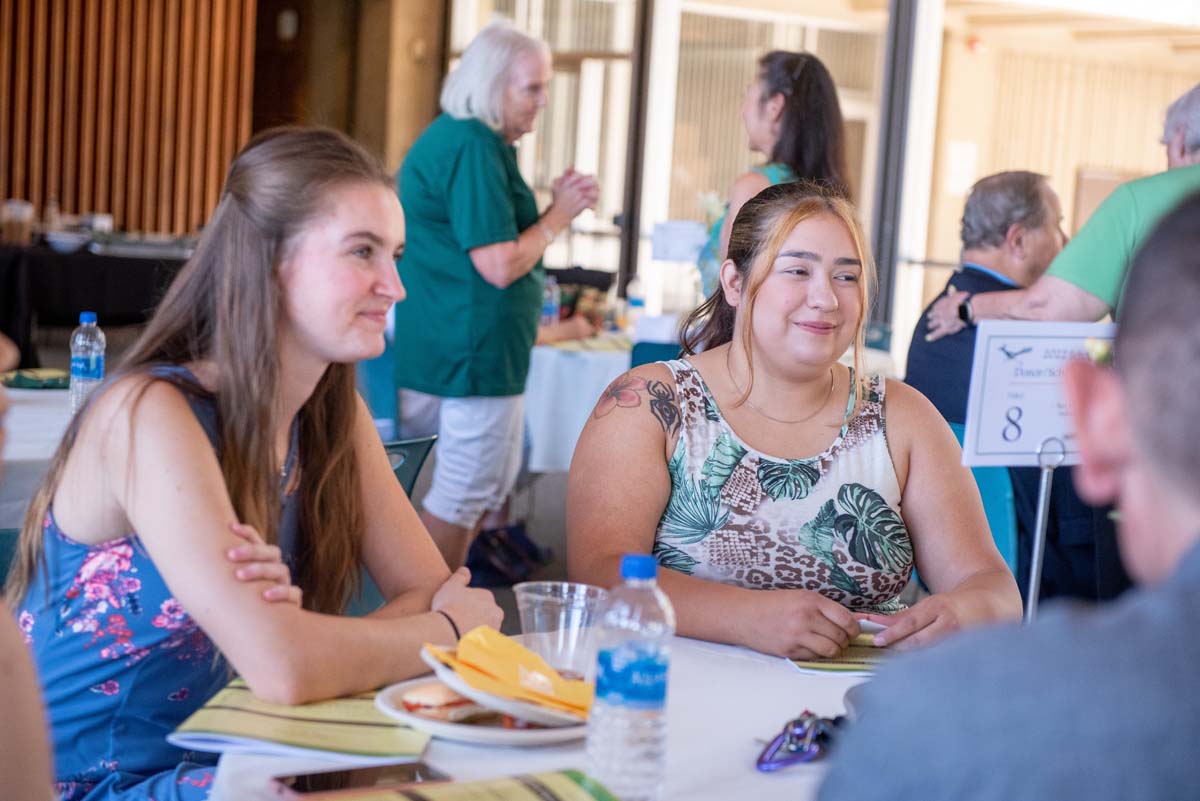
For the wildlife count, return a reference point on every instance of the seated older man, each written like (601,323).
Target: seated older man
(1098,705)
(1011,232)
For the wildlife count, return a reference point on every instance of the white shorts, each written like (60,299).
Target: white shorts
(478,450)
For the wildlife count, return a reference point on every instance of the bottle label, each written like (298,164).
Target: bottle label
(87,367)
(633,674)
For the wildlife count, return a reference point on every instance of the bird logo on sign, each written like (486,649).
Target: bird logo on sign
(1013,354)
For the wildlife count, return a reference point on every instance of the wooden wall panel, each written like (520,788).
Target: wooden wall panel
(131,107)
(58,24)
(20,94)
(90,87)
(6,119)
(196,210)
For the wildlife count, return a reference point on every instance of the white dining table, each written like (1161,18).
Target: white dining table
(564,382)
(724,703)
(34,426)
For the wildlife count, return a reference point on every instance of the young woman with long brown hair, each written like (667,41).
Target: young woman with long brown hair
(786,496)
(235,413)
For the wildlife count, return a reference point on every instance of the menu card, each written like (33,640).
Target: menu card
(564,785)
(344,729)
(860,658)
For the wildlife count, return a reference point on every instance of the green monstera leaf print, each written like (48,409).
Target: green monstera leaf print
(722,460)
(674,558)
(874,532)
(692,513)
(790,480)
(817,537)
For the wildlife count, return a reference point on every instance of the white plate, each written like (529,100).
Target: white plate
(534,713)
(388,702)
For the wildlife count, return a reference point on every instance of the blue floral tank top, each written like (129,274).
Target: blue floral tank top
(121,662)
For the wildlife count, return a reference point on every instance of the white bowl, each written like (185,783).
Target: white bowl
(67,241)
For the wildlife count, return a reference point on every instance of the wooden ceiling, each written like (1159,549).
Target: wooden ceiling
(1107,37)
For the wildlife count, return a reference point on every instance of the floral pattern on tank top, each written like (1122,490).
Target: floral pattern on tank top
(830,523)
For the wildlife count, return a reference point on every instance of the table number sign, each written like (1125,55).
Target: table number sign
(1016,400)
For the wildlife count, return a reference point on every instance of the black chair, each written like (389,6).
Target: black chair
(407,457)
(647,352)
(8,550)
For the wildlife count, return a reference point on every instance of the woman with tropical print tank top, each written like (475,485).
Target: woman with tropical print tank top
(786,496)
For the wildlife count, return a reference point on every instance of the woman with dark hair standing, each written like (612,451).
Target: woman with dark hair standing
(785,496)
(792,116)
(233,414)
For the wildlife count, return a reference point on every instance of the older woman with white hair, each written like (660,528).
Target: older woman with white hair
(473,272)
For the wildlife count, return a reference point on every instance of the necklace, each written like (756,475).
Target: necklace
(804,419)
(289,462)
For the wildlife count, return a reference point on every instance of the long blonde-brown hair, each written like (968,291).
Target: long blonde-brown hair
(225,307)
(757,235)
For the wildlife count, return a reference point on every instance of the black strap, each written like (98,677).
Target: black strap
(453,625)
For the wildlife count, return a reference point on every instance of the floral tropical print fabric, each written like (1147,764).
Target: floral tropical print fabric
(121,665)
(121,661)
(830,523)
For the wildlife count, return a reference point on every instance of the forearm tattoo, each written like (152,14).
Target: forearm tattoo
(628,392)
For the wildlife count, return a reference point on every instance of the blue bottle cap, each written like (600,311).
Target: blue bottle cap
(87,317)
(638,566)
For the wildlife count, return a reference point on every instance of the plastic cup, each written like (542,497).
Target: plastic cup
(558,623)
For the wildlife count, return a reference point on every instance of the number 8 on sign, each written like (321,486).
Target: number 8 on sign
(1012,431)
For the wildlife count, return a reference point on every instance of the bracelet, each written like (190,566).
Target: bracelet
(546,232)
(453,625)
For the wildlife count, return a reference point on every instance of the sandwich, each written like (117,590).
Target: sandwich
(436,701)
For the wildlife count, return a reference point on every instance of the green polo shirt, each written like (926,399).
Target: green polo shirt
(1097,259)
(456,334)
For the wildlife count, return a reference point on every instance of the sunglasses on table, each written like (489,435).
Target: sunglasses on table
(804,739)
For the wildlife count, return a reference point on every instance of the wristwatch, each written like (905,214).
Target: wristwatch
(965,313)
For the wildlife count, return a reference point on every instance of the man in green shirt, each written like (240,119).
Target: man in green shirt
(1084,282)
(472,269)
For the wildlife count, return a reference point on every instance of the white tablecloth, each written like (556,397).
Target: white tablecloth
(723,704)
(560,392)
(34,426)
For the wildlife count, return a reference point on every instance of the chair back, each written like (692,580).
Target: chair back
(377,385)
(647,352)
(407,457)
(995,488)
(8,550)
(879,335)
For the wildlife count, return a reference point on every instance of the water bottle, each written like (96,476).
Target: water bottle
(627,727)
(635,304)
(87,359)
(551,301)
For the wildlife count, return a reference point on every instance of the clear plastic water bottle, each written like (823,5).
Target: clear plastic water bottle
(87,359)
(635,304)
(551,301)
(627,727)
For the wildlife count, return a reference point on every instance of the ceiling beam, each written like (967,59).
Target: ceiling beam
(1093,34)
(1045,18)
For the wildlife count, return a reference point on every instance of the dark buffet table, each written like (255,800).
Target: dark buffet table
(39,286)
